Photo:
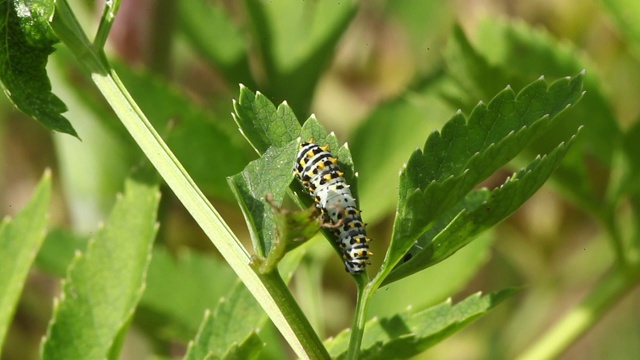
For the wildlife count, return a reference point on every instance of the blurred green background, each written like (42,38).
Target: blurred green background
(380,74)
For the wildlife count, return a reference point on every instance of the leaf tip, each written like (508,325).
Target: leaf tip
(583,72)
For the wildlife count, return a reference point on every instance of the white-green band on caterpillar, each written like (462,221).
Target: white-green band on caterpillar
(320,174)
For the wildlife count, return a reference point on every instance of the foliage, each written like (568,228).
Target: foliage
(530,109)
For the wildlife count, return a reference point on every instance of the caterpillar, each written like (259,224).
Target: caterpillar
(320,175)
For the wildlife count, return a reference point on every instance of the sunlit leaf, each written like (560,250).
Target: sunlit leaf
(28,42)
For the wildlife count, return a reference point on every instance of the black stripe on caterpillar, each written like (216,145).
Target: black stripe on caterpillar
(319,173)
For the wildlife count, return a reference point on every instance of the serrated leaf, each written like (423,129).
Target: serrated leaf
(270,174)
(466,152)
(262,124)
(220,330)
(20,240)
(472,72)
(408,334)
(479,211)
(295,52)
(445,278)
(105,283)
(249,349)
(535,51)
(179,288)
(28,42)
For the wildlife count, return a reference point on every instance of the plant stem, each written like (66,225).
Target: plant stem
(106,22)
(294,315)
(272,295)
(357,330)
(610,290)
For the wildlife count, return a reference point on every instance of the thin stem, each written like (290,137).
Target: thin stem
(582,318)
(106,22)
(357,330)
(365,291)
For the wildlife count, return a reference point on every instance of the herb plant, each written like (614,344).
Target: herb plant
(443,207)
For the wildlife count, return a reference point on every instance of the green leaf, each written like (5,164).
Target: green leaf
(297,42)
(270,174)
(261,123)
(264,126)
(479,211)
(535,50)
(408,334)
(466,152)
(202,21)
(501,44)
(249,349)
(179,289)
(105,283)
(20,240)
(476,78)
(222,329)
(28,42)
